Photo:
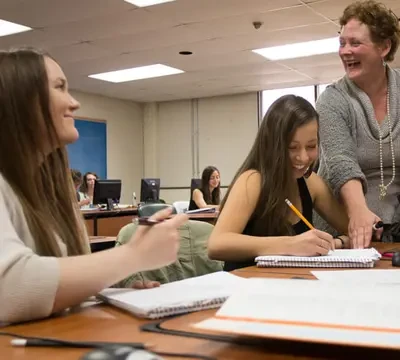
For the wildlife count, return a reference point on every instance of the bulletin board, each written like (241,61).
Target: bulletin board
(89,153)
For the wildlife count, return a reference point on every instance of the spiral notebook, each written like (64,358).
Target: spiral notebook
(193,294)
(342,258)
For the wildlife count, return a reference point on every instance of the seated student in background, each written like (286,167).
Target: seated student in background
(254,218)
(87,187)
(45,260)
(77,179)
(209,194)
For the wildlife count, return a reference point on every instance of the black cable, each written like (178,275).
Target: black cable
(93,344)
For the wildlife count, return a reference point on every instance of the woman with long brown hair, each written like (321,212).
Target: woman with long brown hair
(45,260)
(209,193)
(86,189)
(254,218)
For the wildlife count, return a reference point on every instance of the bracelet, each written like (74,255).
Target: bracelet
(341,240)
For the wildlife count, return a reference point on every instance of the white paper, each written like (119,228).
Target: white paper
(312,310)
(201,211)
(206,287)
(316,302)
(376,339)
(363,276)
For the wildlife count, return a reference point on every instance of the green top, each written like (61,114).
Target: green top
(192,259)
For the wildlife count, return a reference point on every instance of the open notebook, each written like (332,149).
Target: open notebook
(349,258)
(312,311)
(198,293)
(201,211)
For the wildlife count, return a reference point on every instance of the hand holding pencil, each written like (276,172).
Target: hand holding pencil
(313,242)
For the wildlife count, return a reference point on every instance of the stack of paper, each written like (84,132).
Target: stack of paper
(364,258)
(198,293)
(313,311)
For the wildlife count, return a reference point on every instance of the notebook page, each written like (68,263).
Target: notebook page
(178,293)
(315,302)
(369,276)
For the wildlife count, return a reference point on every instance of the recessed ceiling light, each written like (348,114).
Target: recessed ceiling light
(143,3)
(308,48)
(9,28)
(137,73)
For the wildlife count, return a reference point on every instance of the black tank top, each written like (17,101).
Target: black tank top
(192,204)
(299,227)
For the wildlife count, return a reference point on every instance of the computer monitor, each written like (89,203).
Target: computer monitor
(150,190)
(107,192)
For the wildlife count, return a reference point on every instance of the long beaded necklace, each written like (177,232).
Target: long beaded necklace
(382,186)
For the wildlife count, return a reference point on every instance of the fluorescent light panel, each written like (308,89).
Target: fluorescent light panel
(303,49)
(144,3)
(137,73)
(9,28)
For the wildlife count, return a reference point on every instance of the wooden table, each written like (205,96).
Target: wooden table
(104,323)
(108,223)
(98,243)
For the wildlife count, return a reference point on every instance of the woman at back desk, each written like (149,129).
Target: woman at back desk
(254,219)
(209,194)
(87,188)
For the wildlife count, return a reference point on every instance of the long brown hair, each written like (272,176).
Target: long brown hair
(213,198)
(270,157)
(41,181)
(84,188)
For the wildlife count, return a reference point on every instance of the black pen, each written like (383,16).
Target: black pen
(147,221)
(73,344)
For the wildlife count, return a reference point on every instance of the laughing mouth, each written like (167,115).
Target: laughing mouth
(352,64)
(299,167)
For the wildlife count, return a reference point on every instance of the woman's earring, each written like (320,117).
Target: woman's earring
(383,62)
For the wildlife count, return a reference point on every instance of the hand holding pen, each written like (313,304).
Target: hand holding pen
(157,242)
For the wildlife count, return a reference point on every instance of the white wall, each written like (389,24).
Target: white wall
(227,129)
(192,134)
(124,138)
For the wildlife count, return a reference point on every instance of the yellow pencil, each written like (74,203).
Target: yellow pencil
(299,214)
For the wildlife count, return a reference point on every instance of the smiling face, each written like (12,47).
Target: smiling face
(62,104)
(303,149)
(360,56)
(214,180)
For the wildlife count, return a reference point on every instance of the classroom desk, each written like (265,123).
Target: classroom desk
(98,243)
(104,323)
(108,223)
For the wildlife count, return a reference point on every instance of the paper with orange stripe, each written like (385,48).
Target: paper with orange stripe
(316,311)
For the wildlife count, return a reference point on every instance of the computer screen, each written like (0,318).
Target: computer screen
(107,192)
(150,190)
